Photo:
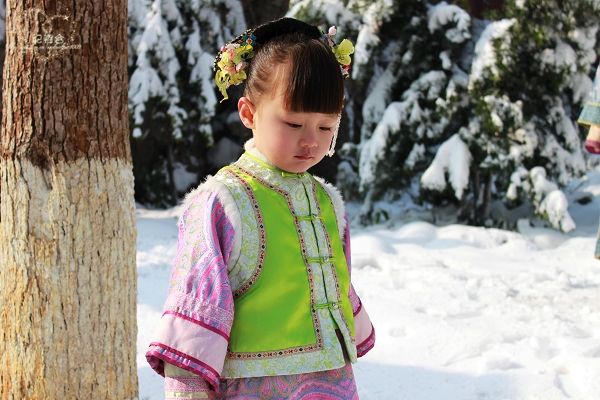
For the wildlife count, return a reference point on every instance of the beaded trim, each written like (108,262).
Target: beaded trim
(327,240)
(330,250)
(247,284)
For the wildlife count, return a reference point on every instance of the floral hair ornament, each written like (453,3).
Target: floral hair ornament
(331,150)
(231,62)
(341,51)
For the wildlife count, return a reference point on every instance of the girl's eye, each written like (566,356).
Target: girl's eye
(291,125)
(324,128)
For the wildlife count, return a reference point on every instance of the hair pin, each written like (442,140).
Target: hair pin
(232,62)
(341,51)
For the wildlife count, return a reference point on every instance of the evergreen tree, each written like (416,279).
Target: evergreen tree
(527,80)
(409,62)
(475,113)
(172,44)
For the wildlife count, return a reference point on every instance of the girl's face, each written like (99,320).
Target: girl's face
(292,141)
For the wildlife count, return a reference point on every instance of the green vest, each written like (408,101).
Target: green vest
(277,308)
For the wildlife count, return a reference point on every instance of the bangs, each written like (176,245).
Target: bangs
(314,79)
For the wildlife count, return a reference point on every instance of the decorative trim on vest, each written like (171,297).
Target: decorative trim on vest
(328,241)
(247,284)
(314,252)
(329,249)
(250,240)
(316,323)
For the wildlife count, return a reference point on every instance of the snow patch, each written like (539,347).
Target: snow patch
(485,54)
(443,14)
(453,157)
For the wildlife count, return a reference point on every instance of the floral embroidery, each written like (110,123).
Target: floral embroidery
(245,285)
(337,383)
(245,272)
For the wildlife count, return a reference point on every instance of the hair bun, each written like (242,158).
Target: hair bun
(282,26)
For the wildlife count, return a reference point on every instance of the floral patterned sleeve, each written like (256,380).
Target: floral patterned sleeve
(365,332)
(193,331)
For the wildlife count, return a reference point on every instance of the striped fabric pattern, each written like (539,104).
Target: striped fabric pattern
(187,387)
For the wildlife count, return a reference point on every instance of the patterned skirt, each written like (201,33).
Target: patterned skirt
(336,384)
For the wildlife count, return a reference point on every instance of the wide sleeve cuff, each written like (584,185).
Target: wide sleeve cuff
(366,345)
(365,333)
(189,344)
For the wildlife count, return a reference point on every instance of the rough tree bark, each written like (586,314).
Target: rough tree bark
(67,213)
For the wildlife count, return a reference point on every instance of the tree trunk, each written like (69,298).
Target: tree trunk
(170,172)
(477,8)
(67,213)
(474,217)
(487,198)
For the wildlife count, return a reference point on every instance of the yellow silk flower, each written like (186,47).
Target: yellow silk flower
(228,73)
(342,51)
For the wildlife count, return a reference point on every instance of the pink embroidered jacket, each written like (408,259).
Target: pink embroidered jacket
(193,332)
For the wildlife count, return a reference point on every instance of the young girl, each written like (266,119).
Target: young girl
(260,303)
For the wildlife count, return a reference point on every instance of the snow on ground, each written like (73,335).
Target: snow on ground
(460,312)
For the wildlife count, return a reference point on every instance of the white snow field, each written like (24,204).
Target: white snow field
(460,312)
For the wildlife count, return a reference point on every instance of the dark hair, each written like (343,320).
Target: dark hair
(314,79)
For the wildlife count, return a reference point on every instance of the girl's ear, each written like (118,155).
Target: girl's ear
(246,110)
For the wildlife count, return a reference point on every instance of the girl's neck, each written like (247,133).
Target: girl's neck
(251,148)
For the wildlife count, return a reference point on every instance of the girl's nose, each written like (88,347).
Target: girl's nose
(309,139)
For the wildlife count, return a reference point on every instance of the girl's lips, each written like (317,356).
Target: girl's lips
(304,157)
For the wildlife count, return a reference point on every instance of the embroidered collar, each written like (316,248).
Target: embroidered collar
(256,163)
(257,156)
